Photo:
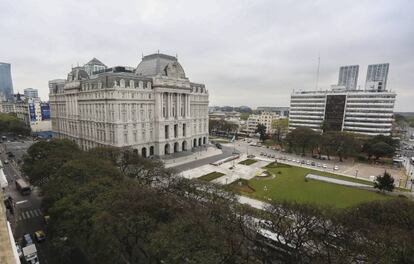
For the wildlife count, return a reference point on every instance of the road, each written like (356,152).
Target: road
(28,216)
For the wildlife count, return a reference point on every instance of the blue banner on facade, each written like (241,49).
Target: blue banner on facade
(32,112)
(45,111)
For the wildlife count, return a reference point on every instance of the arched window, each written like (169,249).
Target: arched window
(122,83)
(131,84)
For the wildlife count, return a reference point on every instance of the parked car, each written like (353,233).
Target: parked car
(19,250)
(324,166)
(218,145)
(293,160)
(319,165)
(6,161)
(313,163)
(27,240)
(40,236)
(336,167)
(308,162)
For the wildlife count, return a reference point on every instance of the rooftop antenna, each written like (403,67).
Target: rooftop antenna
(158,51)
(317,72)
(142,55)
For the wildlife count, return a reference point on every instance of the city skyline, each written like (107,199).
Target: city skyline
(236,49)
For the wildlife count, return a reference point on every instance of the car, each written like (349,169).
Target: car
(27,240)
(313,163)
(308,162)
(273,156)
(319,165)
(218,145)
(302,162)
(261,153)
(324,166)
(298,161)
(336,167)
(293,160)
(250,156)
(19,250)
(6,161)
(40,236)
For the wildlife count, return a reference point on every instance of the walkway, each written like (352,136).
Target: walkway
(336,181)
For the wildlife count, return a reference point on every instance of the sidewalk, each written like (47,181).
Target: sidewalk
(180,158)
(6,249)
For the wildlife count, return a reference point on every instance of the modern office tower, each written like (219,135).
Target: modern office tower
(94,65)
(6,84)
(154,109)
(31,93)
(366,112)
(348,77)
(377,75)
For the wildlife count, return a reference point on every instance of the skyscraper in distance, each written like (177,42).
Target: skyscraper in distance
(348,76)
(6,84)
(377,75)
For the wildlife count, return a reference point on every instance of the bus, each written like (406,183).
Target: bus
(23,187)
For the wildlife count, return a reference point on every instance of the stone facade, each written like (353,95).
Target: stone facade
(154,109)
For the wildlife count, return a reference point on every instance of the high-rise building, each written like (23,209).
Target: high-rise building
(6,84)
(31,93)
(154,109)
(365,112)
(348,77)
(377,75)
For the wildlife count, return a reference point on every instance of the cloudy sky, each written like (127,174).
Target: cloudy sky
(246,52)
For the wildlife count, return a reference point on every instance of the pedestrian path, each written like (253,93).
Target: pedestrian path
(25,215)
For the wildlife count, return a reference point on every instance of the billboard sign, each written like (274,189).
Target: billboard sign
(32,112)
(45,111)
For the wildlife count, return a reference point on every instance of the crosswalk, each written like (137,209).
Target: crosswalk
(29,214)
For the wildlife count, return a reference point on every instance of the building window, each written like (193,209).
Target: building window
(184,130)
(175,130)
(166,132)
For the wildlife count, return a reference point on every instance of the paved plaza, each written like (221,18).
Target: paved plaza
(232,174)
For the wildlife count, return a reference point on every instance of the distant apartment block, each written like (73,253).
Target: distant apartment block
(377,76)
(348,77)
(31,93)
(279,110)
(265,118)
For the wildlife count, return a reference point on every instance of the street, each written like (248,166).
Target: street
(28,216)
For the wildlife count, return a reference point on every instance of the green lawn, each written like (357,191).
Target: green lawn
(248,162)
(289,184)
(211,176)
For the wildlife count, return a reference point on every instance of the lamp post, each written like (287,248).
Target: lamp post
(356,173)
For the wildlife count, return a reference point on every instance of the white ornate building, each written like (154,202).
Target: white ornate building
(154,109)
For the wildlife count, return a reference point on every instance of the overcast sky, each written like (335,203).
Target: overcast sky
(246,52)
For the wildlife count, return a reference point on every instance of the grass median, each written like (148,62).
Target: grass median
(211,176)
(248,162)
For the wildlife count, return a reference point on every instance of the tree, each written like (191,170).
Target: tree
(381,149)
(261,129)
(44,159)
(384,182)
(9,123)
(280,127)
(300,138)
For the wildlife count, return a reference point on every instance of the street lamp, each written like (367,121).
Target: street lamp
(356,173)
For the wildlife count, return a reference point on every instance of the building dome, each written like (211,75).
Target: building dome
(78,73)
(160,64)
